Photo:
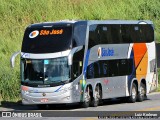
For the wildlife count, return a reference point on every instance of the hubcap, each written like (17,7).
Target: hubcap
(87,96)
(142,91)
(97,94)
(134,93)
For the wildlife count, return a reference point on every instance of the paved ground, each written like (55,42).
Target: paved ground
(151,104)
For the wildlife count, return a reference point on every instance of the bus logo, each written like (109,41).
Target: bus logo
(99,52)
(103,52)
(34,34)
(44,94)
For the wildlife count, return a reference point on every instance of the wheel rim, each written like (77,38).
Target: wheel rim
(142,91)
(134,93)
(86,95)
(97,94)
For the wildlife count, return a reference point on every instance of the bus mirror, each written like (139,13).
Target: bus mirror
(12,60)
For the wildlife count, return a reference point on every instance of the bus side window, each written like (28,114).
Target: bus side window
(97,70)
(125,32)
(135,34)
(105,68)
(77,63)
(110,34)
(75,69)
(104,34)
(113,68)
(93,36)
(90,71)
(123,67)
(147,33)
(115,34)
(79,35)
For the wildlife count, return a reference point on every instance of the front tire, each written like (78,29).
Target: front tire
(133,96)
(87,98)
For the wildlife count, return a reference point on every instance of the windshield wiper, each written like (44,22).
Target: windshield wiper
(64,82)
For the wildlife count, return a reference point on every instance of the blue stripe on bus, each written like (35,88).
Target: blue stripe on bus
(59,88)
(130,77)
(86,63)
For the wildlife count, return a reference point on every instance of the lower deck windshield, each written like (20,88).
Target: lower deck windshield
(47,71)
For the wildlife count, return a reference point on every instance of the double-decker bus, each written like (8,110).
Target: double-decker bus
(87,61)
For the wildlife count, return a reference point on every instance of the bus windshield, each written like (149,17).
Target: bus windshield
(47,39)
(48,71)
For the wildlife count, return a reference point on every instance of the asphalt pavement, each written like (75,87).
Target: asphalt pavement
(74,111)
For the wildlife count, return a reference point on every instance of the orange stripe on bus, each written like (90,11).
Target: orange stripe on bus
(139,51)
(141,60)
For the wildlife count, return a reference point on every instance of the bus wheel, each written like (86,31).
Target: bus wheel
(133,96)
(142,93)
(97,96)
(87,98)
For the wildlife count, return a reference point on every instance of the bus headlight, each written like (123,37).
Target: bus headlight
(25,89)
(25,92)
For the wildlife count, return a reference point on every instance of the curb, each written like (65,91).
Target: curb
(153,93)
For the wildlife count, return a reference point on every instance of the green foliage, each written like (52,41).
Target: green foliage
(16,15)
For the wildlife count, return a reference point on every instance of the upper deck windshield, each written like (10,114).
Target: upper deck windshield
(53,39)
(47,39)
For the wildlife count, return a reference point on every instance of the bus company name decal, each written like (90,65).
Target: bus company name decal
(103,52)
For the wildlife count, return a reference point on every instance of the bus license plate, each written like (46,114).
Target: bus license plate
(44,100)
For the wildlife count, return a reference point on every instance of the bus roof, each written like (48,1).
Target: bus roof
(119,22)
(90,22)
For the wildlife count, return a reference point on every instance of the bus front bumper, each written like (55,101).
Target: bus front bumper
(46,98)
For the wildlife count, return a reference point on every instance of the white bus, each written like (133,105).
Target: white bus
(87,61)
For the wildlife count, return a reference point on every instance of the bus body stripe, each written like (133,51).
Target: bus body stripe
(86,63)
(141,60)
(59,88)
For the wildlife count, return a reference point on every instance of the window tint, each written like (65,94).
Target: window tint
(113,68)
(120,33)
(47,40)
(109,34)
(79,35)
(130,33)
(90,71)
(77,63)
(93,70)
(123,67)
(115,34)
(104,68)
(105,32)
(147,33)
(93,35)
(110,68)
(96,69)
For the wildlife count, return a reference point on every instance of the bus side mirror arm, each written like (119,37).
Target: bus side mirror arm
(12,60)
